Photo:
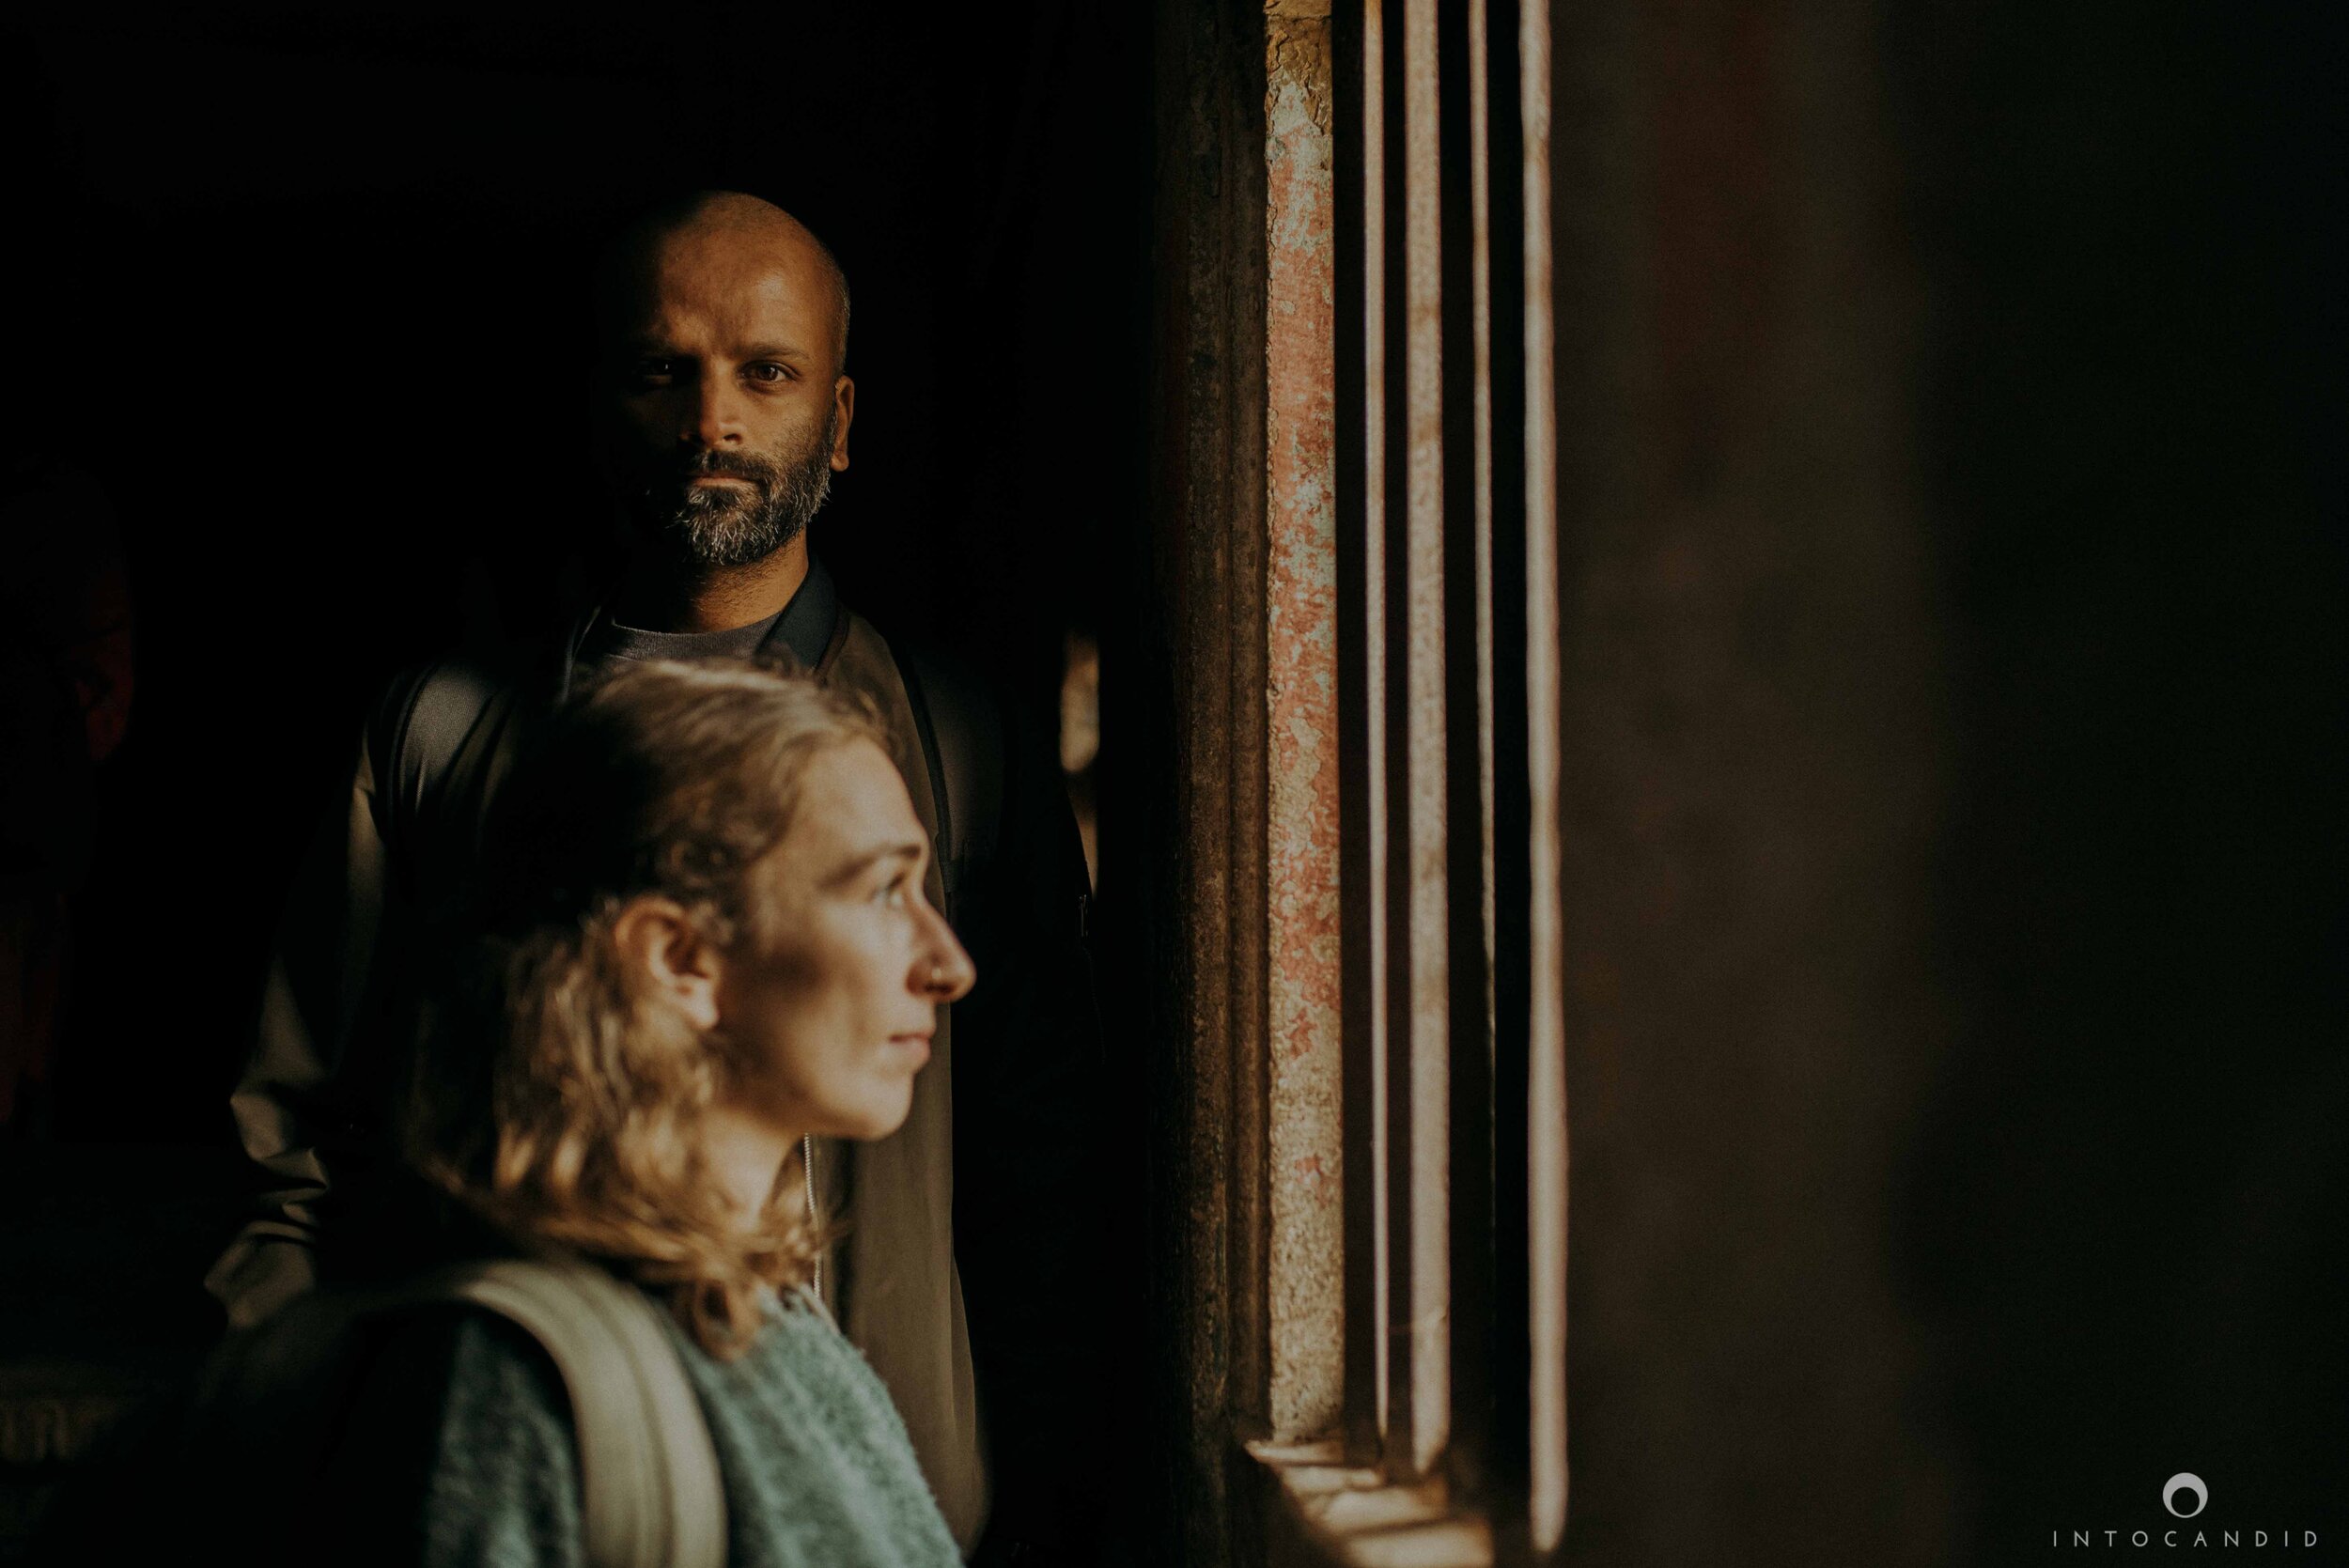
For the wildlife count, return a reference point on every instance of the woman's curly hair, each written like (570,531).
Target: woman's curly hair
(557,1098)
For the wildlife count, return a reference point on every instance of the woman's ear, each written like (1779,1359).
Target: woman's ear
(666,951)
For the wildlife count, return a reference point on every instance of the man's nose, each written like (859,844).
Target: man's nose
(713,416)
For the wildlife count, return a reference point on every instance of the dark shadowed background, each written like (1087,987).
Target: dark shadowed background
(1951,417)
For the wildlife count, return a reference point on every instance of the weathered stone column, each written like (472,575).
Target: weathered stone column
(1305,1300)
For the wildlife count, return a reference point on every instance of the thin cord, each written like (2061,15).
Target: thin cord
(807,1177)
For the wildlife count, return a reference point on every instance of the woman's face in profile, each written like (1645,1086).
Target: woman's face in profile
(830,1008)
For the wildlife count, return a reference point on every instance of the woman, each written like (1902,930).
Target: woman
(706,942)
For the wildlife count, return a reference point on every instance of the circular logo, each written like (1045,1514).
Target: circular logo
(2183,1482)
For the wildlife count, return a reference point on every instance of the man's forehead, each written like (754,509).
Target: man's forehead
(762,306)
(688,274)
(723,254)
(743,302)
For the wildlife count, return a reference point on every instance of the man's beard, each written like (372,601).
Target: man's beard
(725,525)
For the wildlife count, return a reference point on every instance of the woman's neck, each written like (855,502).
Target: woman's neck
(746,1156)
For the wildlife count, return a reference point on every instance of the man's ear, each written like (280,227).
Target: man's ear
(663,948)
(844,399)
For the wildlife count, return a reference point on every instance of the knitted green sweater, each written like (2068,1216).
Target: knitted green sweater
(815,1462)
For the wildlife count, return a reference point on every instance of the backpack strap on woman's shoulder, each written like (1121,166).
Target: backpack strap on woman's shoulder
(648,1476)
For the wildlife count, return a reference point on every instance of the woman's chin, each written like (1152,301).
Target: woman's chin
(878,1115)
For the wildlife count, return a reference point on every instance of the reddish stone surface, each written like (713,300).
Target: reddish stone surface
(1301,598)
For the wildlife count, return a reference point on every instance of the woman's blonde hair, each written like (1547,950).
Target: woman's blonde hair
(557,1098)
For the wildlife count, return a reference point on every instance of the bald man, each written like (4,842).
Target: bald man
(722,409)
(726,406)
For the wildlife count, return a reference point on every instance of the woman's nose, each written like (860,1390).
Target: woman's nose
(942,971)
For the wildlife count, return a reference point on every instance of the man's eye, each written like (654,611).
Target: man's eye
(768,371)
(655,372)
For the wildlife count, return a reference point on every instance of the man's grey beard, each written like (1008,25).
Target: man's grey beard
(724,526)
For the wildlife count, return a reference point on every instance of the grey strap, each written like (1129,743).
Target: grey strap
(648,1476)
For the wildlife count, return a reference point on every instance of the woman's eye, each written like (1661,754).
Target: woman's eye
(893,892)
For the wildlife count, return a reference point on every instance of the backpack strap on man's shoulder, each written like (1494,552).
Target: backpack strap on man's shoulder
(648,1476)
(961,729)
(422,723)
(439,726)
